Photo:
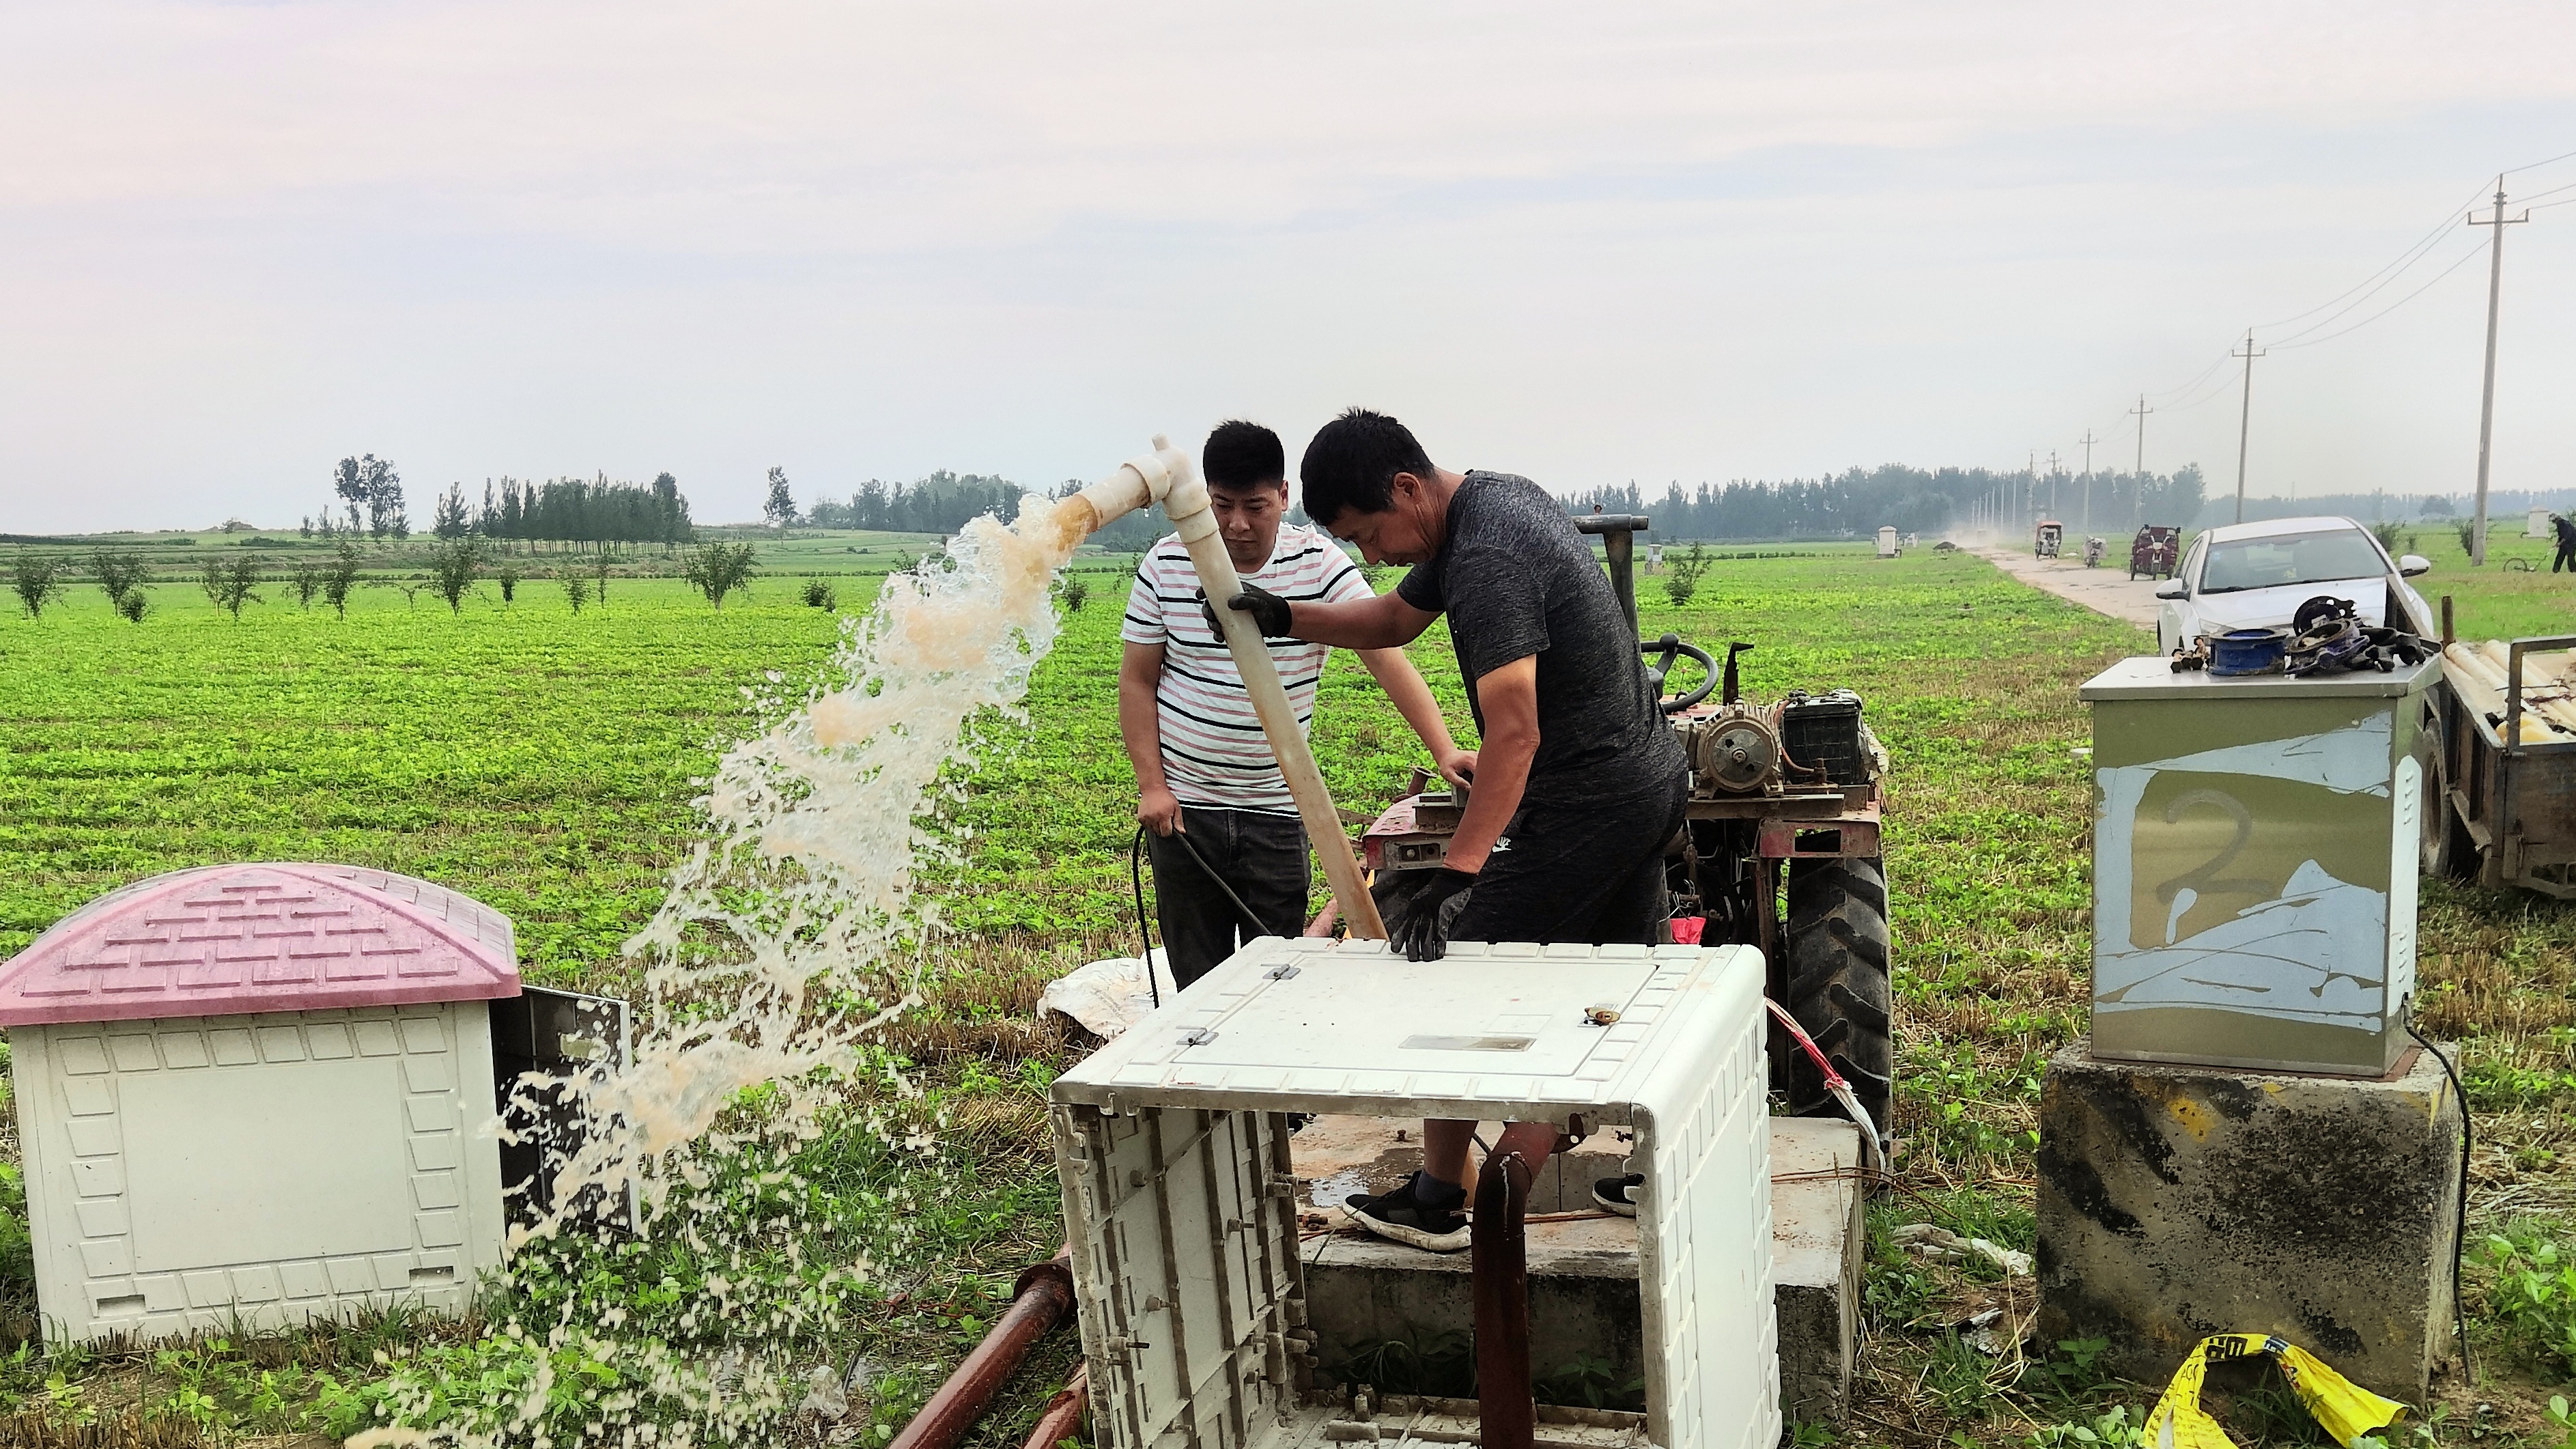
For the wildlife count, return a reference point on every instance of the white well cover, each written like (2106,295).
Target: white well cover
(1501,1032)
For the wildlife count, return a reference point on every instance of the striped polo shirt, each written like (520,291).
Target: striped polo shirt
(1214,754)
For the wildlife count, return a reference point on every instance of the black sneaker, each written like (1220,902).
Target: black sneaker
(1401,1214)
(1619,1194)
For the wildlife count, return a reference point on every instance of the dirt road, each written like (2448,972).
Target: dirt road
(2105,590)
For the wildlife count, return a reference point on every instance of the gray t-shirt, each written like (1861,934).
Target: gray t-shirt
(1516,580)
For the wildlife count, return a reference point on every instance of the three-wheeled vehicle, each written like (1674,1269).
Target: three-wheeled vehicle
(2155,552)
(2093,548)
(2052,537)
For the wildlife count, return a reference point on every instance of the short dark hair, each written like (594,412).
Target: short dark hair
(1352,463)
(1243,455)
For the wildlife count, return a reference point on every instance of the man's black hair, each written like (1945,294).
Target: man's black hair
(1352,463)
(1243,455)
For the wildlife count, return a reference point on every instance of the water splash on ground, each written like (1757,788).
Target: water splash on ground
(790,933)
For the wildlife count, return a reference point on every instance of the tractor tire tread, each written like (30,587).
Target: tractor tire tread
(1838,984)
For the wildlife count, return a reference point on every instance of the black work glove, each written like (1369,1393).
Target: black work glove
(1268,610)
(1424,935)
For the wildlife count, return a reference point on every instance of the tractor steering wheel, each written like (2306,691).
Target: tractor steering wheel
(1671,647)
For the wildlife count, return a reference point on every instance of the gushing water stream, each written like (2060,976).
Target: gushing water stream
(790,933)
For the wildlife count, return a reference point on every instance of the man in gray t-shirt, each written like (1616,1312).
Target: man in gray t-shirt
(1578,782)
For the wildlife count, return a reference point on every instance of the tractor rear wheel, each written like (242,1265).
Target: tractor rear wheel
(1837,950)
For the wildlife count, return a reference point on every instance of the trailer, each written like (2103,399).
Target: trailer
(2500,784)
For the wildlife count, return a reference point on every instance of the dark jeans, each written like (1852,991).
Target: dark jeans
(1592,873)
(2566,557)
(1262,856)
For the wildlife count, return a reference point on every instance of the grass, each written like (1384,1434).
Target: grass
(542,761)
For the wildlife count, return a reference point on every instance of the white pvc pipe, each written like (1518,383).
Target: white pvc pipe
(1167,476)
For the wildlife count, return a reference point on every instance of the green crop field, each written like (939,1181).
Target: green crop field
(542,760)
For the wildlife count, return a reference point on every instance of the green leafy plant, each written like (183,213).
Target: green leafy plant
(131,607)
(231,583)
(2533,1295)
(507,576)
(119,574)
(1073,590)
(340,577)
(2112,1429)
(306,581)
(818,594)
(1682,573)
(718,569)
(1442,1362)
(576,591)
(1594,1383)
(453,564)
(2387,534)
(17,1249)
(37,578)
(2564,1420)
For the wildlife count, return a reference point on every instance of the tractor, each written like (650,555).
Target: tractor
(1781,794)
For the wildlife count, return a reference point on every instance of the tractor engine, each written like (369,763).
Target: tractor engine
(1781,853)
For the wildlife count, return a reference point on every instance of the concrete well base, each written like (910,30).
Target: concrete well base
(1391,1314)
(2177,1202)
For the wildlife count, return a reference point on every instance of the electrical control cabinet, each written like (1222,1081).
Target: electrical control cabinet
(2255,849)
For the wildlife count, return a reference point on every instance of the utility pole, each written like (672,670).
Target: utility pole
(2486,404)
(2052,480)
(2030,489)
(2244,420)
(2140,413)
(2088,480)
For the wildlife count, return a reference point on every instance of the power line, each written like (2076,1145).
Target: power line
(2389,273)
(2553,191)
(2463,260)
(2536,165)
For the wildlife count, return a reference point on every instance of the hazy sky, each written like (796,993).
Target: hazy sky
(1587,243)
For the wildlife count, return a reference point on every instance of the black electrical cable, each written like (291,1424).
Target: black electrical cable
(1136,876)
(2459,1239)
(1240,908)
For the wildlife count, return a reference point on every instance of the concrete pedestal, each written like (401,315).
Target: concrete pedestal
(1395,1314)
(2177,1202)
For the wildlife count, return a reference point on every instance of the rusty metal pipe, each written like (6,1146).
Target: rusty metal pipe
(1498,1264)
(1062,1417)
(1042,1299)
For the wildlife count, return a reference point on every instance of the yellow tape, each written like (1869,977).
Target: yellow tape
(2343,1409)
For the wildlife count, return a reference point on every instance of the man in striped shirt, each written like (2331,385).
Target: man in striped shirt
(1208,787)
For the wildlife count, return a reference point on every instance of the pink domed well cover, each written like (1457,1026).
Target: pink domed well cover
(228,939)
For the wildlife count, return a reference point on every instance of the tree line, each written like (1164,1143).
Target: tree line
(1858,502)
(571,510)
(941,503)
(367,499)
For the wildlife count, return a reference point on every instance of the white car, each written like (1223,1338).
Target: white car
(2256,575)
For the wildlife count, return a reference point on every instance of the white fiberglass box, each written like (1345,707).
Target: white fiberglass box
(1180,1203)
(257,1094)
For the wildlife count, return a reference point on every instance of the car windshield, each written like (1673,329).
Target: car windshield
(2290,558)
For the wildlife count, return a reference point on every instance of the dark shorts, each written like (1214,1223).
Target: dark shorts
(1591,874)
(1262,856)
